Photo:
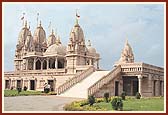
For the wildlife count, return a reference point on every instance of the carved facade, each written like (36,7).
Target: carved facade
(39,60)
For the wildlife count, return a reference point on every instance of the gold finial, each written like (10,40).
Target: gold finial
(77,18)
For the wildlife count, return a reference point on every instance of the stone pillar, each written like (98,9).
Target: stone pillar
(140,84)
(157,87)
(34,64)
(90,61)
(42,65)
(97,64)
(150,85)
(162,88)
(26,64)
(47,63)
(56,63)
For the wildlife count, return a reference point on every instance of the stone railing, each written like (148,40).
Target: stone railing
(35,72)
(131,67)
(74,80)
(104,80)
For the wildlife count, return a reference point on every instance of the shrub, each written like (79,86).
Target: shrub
(117,104)
(46,90)
(12,88)
(19,89)
(138,95)
(25,88)
(98,100)
(123,94)
(83,103)
(52,93)
(106,97)
(91,100)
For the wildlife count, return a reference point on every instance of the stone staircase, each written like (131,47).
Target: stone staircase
(80,89)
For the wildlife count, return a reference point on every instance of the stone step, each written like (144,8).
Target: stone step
(80,89)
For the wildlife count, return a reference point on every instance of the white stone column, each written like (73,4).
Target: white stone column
(140,84)
(47,63)
(26,64)
(97,64)
(34,64)
(41,65)
(56,63)
(90,61)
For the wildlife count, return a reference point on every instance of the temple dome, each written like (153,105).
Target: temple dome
(90,49)
(22,36)
(127,55)
(56,48)
(39,35)
(29,41)
(77,33)
(51,39)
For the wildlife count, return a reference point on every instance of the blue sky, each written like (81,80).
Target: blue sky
(106,25)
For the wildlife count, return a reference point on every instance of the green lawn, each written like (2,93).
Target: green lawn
(8,93)
(143,104)
(130,104)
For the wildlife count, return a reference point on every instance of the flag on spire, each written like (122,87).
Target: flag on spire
(22,16)
(77,16)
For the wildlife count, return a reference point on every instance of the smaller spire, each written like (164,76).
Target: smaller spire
(29,25)
(77,18)
(126,41)
(89,43)
(52,32)
(26,24)
(40,24)
(58,41)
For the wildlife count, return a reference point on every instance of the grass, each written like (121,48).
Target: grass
(8,93)
(130,104)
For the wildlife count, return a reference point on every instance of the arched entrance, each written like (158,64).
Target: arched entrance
(60,64)
(38,65)
(44,64)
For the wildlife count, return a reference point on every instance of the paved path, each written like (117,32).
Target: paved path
(36,103)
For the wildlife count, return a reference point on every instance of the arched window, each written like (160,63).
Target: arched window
(60,64)
(44,64)
(51,63)
(38,65)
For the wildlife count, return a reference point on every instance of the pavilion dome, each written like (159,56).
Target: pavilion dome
(90,49)
(56,48)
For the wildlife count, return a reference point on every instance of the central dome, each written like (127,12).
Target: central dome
(56,48)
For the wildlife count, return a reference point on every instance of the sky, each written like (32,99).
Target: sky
(106,25)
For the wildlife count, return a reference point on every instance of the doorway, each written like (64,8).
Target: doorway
(7,85)
(32,84)
(18,83)
(51,83)
(116,88)
(135,87)
(130,85)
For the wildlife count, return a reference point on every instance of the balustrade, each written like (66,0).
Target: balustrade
(75,80)
(104,80)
